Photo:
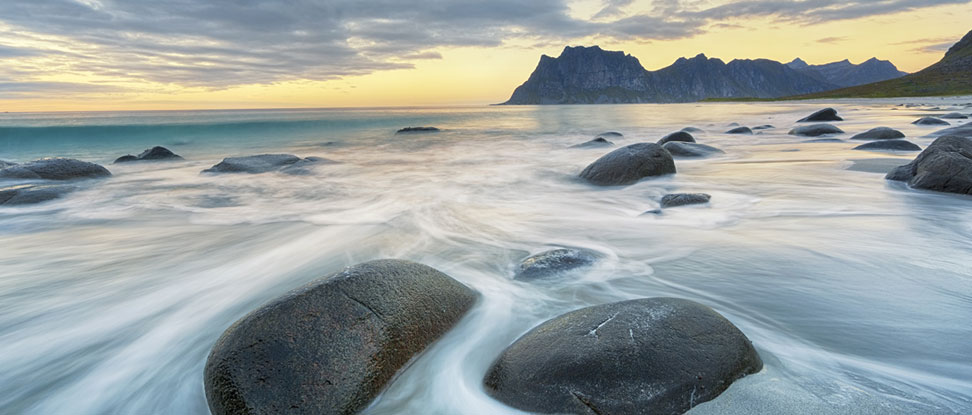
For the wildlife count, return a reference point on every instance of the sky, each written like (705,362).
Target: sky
(105,55)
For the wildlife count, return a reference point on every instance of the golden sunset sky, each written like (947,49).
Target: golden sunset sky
(66,55)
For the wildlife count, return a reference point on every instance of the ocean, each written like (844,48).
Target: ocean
(856,291)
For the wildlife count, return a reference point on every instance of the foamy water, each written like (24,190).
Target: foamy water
(856,292)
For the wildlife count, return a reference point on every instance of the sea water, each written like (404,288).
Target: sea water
(857,292)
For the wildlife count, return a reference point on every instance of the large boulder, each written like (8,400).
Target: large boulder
(930,121)
(680,149)
(879,133)
(265,163)
(27,194)
(945,166)
(815,130)
(964,130)
(154,153)
(629,164)
(550,263)
(595,143)
(826,114)
(954,116)
(740,130)
(54,169)
(647,356)
(681,136)
(330,347)
(683,199)
(889,145)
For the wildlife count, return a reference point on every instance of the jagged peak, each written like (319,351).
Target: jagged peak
(964,44)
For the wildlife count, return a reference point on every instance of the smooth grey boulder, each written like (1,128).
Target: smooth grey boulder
(646,356)
(30,194)
(945,166)
(824,140)
(551,263)
(597,142)
(330,346)
(964,130)
(740,130)
(763,127)
(826,114)
(954,116)
(682,199)
(889,145)
(692,130)
(611,134)
(681,136)
(54,169)
(417,130)
(815,130)
(152,154)
(264,163)
(930,121)
(680,149)
(629,164)
(879,133)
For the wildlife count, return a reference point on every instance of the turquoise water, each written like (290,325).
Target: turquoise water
(855,291)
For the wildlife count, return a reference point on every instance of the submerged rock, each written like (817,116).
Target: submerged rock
(154,153)
(647,356)
(826,114)
(954,116)
(597,142)
(5,164)
(763,127)
(30,194)
(330,347)
(680,149)
(265,163)
(417,130)
(824,140)
(930,121)
(54,169)
(945,166)
(681,136)
(682,199)
(692,130)
(815,130)
(740,130)
(629,164)
(611,134)
(879,133)
(964,130)
(889,145)
(553,262)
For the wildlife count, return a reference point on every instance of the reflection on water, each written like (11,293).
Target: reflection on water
(855,291)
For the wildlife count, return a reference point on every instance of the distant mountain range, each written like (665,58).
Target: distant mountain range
(591,75)
(950,76)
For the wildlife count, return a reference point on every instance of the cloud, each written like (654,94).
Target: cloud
(836,39)
(224,43)
(9,90)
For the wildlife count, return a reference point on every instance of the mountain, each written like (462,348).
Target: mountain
(846,74)
(950,76)
(591,75)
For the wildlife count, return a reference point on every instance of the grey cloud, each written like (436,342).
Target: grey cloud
(816,11)
(833,39)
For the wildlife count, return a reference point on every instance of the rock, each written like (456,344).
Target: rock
(680,149)
(824,140)
(264,163)
(964,130)
(954,116)
(879,133)
(692,130)
(740,130)
(653,212)
(945,166)
(29,194)
(646,356)
(330,347)
(629,164)
(677,136)
(417,130)
(816,130)
(889,145)
(614,134)
(597,142)
(826,114)
(304,166)
(682,199)
(732,124)
(553,262)
(930,121)
(154,153)
(763,127)
(55,169)
(5,164)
